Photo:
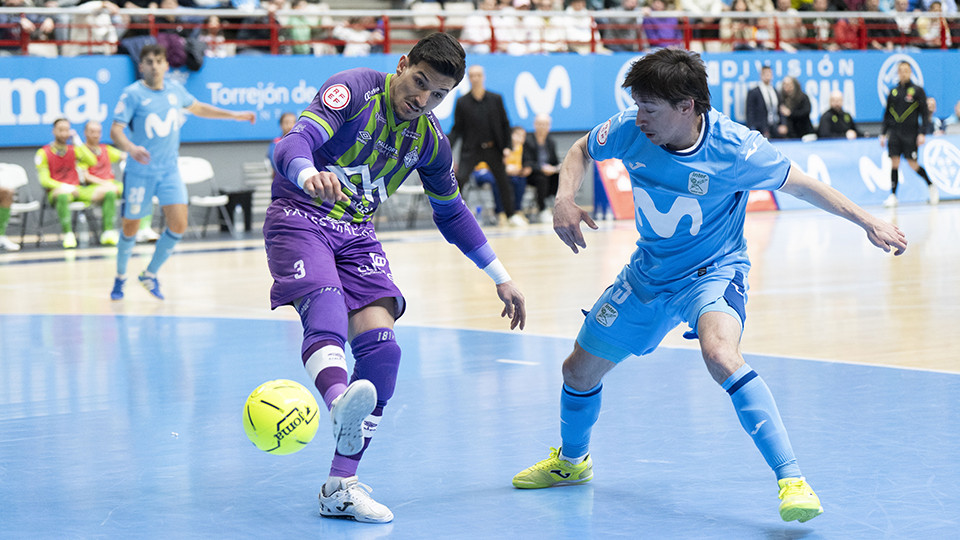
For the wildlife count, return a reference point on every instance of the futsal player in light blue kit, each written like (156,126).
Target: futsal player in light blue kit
(691,170)
(151,109)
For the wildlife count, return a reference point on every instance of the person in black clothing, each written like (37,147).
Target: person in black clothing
(540,155)
(794,109)
(905,121)
(763,105)
(480,123)
(837,123)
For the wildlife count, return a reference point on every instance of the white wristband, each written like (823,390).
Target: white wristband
(304,174)
(497,272)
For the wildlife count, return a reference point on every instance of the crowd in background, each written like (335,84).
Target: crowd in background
(506,26)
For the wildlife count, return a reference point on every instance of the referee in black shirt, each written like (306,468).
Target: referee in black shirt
(904,124)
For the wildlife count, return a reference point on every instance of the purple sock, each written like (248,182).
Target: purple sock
(347,465)
(324,317)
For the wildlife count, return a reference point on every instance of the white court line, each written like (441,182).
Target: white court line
(521,362)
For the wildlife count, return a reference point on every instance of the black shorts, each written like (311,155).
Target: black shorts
(898,145)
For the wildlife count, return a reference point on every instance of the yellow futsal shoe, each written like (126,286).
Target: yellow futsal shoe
(799,502)
(554,471)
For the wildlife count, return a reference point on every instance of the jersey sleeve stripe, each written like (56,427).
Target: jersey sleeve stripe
(323,123)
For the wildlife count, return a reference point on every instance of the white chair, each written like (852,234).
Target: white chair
(14,177)
(195,171)
(425,15)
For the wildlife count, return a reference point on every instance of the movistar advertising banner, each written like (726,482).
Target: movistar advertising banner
(577,91)
(860,169)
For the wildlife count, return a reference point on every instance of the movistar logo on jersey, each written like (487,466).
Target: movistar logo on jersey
(154,126)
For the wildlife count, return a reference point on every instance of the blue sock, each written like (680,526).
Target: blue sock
(578,413)
(124,248)
(168,240)
(760,418)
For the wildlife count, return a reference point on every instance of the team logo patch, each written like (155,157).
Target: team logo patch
(698,183)
(411,158)
(607,314)
(364,137)
(336,97)
(172,99)
(942,161)
(603,132)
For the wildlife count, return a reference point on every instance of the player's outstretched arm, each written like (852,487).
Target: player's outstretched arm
(882,234)
(566,214)
(514,305)
(205,110)
(120,140)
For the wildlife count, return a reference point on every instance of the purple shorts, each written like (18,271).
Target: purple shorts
(307,251)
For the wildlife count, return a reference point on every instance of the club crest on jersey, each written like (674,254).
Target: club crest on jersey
(607,314)
(697,183)
(336,97)
(411,158)
(172,99)
(603,132)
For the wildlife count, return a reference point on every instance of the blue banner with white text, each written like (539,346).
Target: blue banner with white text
(577,91)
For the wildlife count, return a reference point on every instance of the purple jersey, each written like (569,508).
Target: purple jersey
(354,134)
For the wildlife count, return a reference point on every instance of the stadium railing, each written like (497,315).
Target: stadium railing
(80,31)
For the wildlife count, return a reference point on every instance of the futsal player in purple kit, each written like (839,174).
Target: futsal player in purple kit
(364,133)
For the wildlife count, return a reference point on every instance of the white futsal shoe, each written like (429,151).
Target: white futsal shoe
(348,412)
(351,499)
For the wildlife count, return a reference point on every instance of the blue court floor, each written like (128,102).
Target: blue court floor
(130,427)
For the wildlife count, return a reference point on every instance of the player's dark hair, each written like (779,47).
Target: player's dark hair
(58,120)
(286,114)
(443,53)
(152,49)
(672,75)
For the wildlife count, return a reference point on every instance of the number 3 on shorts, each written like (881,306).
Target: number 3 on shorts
(301,271)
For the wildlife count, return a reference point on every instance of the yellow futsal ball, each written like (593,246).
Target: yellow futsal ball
(280,417)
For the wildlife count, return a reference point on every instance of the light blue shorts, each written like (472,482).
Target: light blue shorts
(623,323)
(139,189)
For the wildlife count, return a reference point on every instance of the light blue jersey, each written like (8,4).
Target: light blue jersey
(153,119)
(690,206)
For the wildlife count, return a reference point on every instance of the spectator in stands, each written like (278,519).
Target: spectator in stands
(287,121)
(581,35)
(948,7)
(739,34)
(705,15)
(880,31)
(513,163)
(38,26)
(837,123)
(661,31)
(933,28)
(794,109)
(951,125)
(904,20)
(622,33)
(57,164)
(547,34)
(96,30)
(935,126)
(820,30)
(6,202)
(480,123)
(476,33)
(360,34)
(212,36)
(790,29)
(543,165)
(256,28)
(763,105)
